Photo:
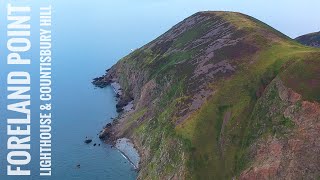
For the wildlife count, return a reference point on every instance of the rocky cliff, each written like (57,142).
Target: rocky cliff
(221,95)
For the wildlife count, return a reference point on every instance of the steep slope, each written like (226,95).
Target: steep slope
(312,39)
(207,97)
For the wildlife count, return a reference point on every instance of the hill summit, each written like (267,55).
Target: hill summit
(312,39)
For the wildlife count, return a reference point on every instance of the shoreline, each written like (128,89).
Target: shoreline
(124,145)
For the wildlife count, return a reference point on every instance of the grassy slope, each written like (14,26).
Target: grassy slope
(311,39)
(237,95)
(199,138)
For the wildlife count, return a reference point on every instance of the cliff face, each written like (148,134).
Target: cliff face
(287,131)
(312,39)
(221,95)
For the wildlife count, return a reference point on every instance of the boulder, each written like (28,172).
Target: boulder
(106,132)
(87,141)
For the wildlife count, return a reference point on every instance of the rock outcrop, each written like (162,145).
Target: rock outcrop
(293,151)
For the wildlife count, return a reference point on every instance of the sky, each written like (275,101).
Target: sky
(292,17)
(130,24)
(138,22)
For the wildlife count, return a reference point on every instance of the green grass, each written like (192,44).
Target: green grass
(168,63)
(238,91)
(133,118)
(201,132)
(307,73)
(193,34)
(159,135)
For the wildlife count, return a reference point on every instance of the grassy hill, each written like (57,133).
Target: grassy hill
(312,39)
(221,95)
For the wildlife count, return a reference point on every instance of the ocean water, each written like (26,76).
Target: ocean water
(79,109)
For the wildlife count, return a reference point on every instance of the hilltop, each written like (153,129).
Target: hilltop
(312,39)
(221,95)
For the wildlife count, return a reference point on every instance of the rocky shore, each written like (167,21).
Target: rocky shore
(123,102)
(126,147)
(108,134)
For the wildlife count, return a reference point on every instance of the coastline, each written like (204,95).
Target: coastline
(127,149)
(125,145)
